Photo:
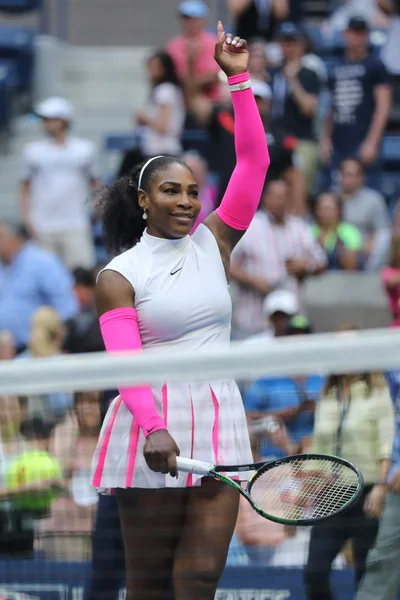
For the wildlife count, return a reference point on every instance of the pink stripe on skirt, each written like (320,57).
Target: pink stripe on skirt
(133,443)
(215,431)
(190,476)
(103,450)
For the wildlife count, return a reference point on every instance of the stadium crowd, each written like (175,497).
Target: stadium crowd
(326,206)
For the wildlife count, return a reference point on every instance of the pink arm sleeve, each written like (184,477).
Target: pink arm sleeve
(120,332)
(243,193)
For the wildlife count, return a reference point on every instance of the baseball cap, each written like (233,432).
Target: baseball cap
(357,23)
(193,9)
(289,30)
(261,89)
(282,301)
(299,324)
(55,108)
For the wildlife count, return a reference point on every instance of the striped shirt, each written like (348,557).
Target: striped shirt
(263,252)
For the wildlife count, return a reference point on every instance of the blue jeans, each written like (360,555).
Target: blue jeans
(108,557)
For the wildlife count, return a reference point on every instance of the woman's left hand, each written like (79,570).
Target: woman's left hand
(231,53)
(374,502)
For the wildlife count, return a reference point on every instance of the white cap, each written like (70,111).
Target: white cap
(281,301)
(55,108)
(261,89)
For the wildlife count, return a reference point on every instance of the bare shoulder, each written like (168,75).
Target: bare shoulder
(113,291)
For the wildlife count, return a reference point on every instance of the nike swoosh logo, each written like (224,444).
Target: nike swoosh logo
(151,429)
(173,272)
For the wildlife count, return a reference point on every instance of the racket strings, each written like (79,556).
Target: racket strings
(304,489)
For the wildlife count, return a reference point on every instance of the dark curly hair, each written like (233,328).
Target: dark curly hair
(169,74)
(118,204)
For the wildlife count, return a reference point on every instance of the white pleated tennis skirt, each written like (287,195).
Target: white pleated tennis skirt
(207,421)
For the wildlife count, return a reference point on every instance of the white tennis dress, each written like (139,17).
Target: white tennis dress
(182,301)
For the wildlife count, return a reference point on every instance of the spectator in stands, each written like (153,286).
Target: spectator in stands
(391,50)
(16,532)
(72,516)
(258,18)
(390,277)
(208,190)
(289,399)
(360,105)
(163,117)
(46,339)
(279,307)
(366,209)
(218,118)
(195,45)
(83,331)
(278,250)
(382,577)
(354,419)
(296,90)
(341,241)
(258,63)
(7,345)
(33,277)
(367,9)
(57,174)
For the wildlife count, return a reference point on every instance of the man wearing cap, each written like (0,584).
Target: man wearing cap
(361,99)
(296,90)
(57,174)
(279,307)
(196,45)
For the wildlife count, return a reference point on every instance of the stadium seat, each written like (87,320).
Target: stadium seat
(17,44)
(7,93)
(390,151)
(120,142)
(20,6)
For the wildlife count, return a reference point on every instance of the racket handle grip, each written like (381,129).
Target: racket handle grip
(189,465)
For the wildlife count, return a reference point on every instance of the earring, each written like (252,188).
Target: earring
(144,215)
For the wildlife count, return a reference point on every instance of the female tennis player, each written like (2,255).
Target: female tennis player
(169,290)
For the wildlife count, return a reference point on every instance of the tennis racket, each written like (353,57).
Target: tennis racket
(303,489)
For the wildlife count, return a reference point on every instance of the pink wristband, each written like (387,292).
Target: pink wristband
(233,79)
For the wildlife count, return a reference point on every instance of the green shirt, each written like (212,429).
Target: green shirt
(349,235)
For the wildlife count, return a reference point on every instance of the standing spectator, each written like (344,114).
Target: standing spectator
(163,116)
(296,90)
(208,190)
(258,18)
(367,9)
(290,399)
(390,277)
(7,345)
(196,44)
(382,577)
(278,250)
(354,419)
(360,105)
(56,175)
(366,209)
(391,50)
(33,277)
(341,241)
(258,63)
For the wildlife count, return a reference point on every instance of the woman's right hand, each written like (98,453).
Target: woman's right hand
(160,452)
(231,53)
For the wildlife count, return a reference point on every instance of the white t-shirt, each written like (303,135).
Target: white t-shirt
(154,142)
(59,175)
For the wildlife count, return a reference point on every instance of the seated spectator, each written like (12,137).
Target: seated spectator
(258,18)
(46,340)
(296,90)
(341,241)
(354,419)
(57,174)
(208,190)
(83,331)
(390,277)
(66,534)
(361,100)
(277,251)
(32,277)
(279,307)
(7,345)
(195,45)
(258,63)
(218,118)
(290,399)
(366,209)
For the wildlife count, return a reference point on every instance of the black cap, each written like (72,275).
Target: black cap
(290,31)
(357,24)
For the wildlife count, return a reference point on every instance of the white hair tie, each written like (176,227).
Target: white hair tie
(146,164)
